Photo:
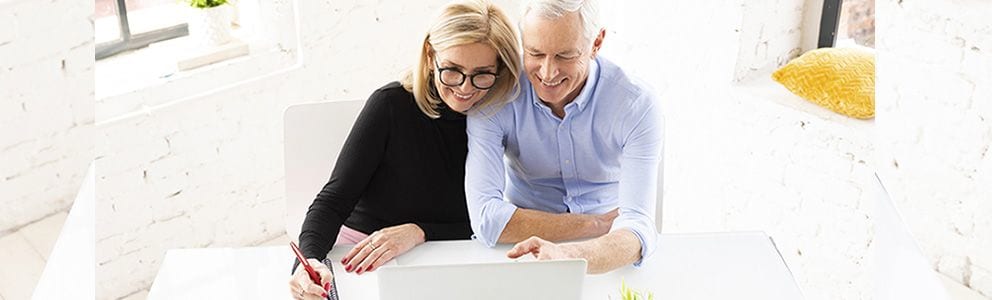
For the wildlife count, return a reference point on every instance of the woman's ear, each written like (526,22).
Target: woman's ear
(429,52)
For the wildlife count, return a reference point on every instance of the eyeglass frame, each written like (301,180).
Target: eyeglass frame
(462,81)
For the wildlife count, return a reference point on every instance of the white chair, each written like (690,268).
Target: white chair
(900,268)
(314,135)
(71,269)
(660,196)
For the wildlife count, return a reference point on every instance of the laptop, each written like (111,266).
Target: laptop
(902,271)
(551,279)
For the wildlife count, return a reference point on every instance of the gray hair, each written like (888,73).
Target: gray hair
(553,9)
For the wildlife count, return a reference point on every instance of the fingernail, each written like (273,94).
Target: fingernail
(368,269)
(347,268)
(327,286)
(324,295)
(344,261)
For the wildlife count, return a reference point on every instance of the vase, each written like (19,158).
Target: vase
(211,26)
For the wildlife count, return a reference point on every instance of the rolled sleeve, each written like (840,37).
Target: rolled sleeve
(495,213)
(643,227)
(642,154)
(485,179)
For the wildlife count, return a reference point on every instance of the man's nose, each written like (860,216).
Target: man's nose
(548,68)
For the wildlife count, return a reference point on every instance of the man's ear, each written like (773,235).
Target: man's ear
(598,42)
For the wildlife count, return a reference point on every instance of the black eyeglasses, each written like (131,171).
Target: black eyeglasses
(453,77)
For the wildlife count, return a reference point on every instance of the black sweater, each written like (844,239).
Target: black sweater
(397,166)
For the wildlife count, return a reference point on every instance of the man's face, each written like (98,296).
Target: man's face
(556,56)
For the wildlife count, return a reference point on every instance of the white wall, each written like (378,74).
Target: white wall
(207,171)
(935,113)
(46,107)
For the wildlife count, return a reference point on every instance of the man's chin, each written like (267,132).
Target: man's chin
(548,97)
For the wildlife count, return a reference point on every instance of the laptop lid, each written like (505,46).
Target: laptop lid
(902,271)
(555,279)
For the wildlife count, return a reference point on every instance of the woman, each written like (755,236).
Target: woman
(399,180)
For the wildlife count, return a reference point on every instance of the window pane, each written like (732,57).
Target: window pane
(857,23)
(150,15)
(106,25)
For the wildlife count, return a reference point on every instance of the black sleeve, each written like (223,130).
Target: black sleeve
(445,231)
(359,158)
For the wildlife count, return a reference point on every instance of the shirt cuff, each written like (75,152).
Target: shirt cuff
(496,213)
(643,228)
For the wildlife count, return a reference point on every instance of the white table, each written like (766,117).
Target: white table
(742,265)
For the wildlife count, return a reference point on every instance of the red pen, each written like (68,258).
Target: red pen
(306,265)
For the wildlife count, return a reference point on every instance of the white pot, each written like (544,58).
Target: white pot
(211,26)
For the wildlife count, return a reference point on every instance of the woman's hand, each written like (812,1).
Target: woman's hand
(302,287)
(381,247)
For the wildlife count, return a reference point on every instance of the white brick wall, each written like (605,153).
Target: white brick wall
(208,171)
(768,42)
(46,107)
(935,114)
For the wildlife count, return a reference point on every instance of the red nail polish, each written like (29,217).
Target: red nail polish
(347,268)
(324,295)
(368,269)
(344,261)
(327,287)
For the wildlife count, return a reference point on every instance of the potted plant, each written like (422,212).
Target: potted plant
(210,22)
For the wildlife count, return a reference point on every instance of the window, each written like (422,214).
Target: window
(123,25)
(847,22)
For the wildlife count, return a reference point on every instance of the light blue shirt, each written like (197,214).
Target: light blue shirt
(603,154)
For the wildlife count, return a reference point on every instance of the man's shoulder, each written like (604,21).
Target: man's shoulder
(615,81)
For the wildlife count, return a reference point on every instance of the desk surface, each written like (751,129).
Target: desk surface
(686,266)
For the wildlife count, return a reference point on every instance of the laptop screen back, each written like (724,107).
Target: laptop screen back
(559,279)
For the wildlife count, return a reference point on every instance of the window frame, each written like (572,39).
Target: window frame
(829,22)
(127,41)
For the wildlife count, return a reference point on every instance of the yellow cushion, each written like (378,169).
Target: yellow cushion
(839,79)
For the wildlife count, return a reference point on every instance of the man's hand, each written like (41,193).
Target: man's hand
(381,247)
(603,254)
(605,221)
(542,250)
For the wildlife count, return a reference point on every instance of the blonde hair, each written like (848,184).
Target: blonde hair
(463,23)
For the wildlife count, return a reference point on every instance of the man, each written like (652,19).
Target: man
(582,143)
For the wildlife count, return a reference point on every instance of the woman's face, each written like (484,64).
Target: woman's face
(478,60)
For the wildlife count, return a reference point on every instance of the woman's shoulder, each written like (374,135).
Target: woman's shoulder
(392,91)
(388,97)
(394,97)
